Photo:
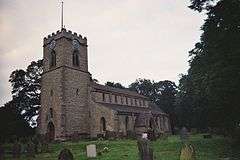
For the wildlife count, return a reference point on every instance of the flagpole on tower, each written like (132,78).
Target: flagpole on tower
(62,17)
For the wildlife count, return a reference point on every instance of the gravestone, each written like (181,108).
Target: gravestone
(30,149)
(207,136)
(65,154)
(91,151)
(184,134)
(2,152)
(44,144)
(37,142)
(188,152)
(16,150)
(145,151)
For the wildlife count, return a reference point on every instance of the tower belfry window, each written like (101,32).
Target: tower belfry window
(75,58)
(52,58)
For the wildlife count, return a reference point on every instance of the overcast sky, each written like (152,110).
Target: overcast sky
(127,39)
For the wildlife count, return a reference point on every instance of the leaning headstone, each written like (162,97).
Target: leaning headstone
(65,154)
(145,151)
(188,152)
(16,150)
(30,149)
(1,152)
(184,134)
(91,151)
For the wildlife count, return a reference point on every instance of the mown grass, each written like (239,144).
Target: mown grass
(167,149)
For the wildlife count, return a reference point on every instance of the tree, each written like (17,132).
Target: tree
(13,123)
(26,90)
(212,89)
(115,85)
(162,93)
(200,5)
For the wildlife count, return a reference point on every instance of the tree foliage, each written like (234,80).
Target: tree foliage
(211,88)
(200,5)
(13,123)
(162,93)
(26,90)
(115,85)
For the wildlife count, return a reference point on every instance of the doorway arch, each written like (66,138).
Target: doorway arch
(50,131)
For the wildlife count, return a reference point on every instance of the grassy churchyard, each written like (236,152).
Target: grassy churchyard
(216,148)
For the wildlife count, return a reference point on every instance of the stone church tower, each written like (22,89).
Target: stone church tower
(65,82)
(74,105)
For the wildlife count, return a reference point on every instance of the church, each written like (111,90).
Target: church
(72,104)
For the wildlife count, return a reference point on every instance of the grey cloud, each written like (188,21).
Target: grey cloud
(139,38)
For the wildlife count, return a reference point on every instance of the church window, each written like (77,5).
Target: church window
(121,100)
(135,102)
(126,123)
(115,98)
(51,92)
(110,98)
(52,59)
(75,58)
(77,91)
(103,97)
(126,100)
(102,124)
(131,101)
(51,112)
(140,102)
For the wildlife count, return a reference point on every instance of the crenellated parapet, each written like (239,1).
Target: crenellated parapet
(64,33)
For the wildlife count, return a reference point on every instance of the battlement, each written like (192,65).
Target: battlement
(64,33)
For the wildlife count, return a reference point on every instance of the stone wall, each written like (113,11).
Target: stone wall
(51,97)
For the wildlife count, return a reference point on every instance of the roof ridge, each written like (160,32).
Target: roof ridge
(113,89)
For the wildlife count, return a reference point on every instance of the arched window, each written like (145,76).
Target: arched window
(75,58)
(51,112)
(102,124)
(151,123)
(126,123)
(52,58)
(103,97)
(77,91)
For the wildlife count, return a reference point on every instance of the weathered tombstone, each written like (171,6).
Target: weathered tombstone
(30,149)
(184,134)
(44,144)
(207,136)
(36,141)
(16,150)
(65,154)
(145,151)
(1,152)
(188,152)
(91,151)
